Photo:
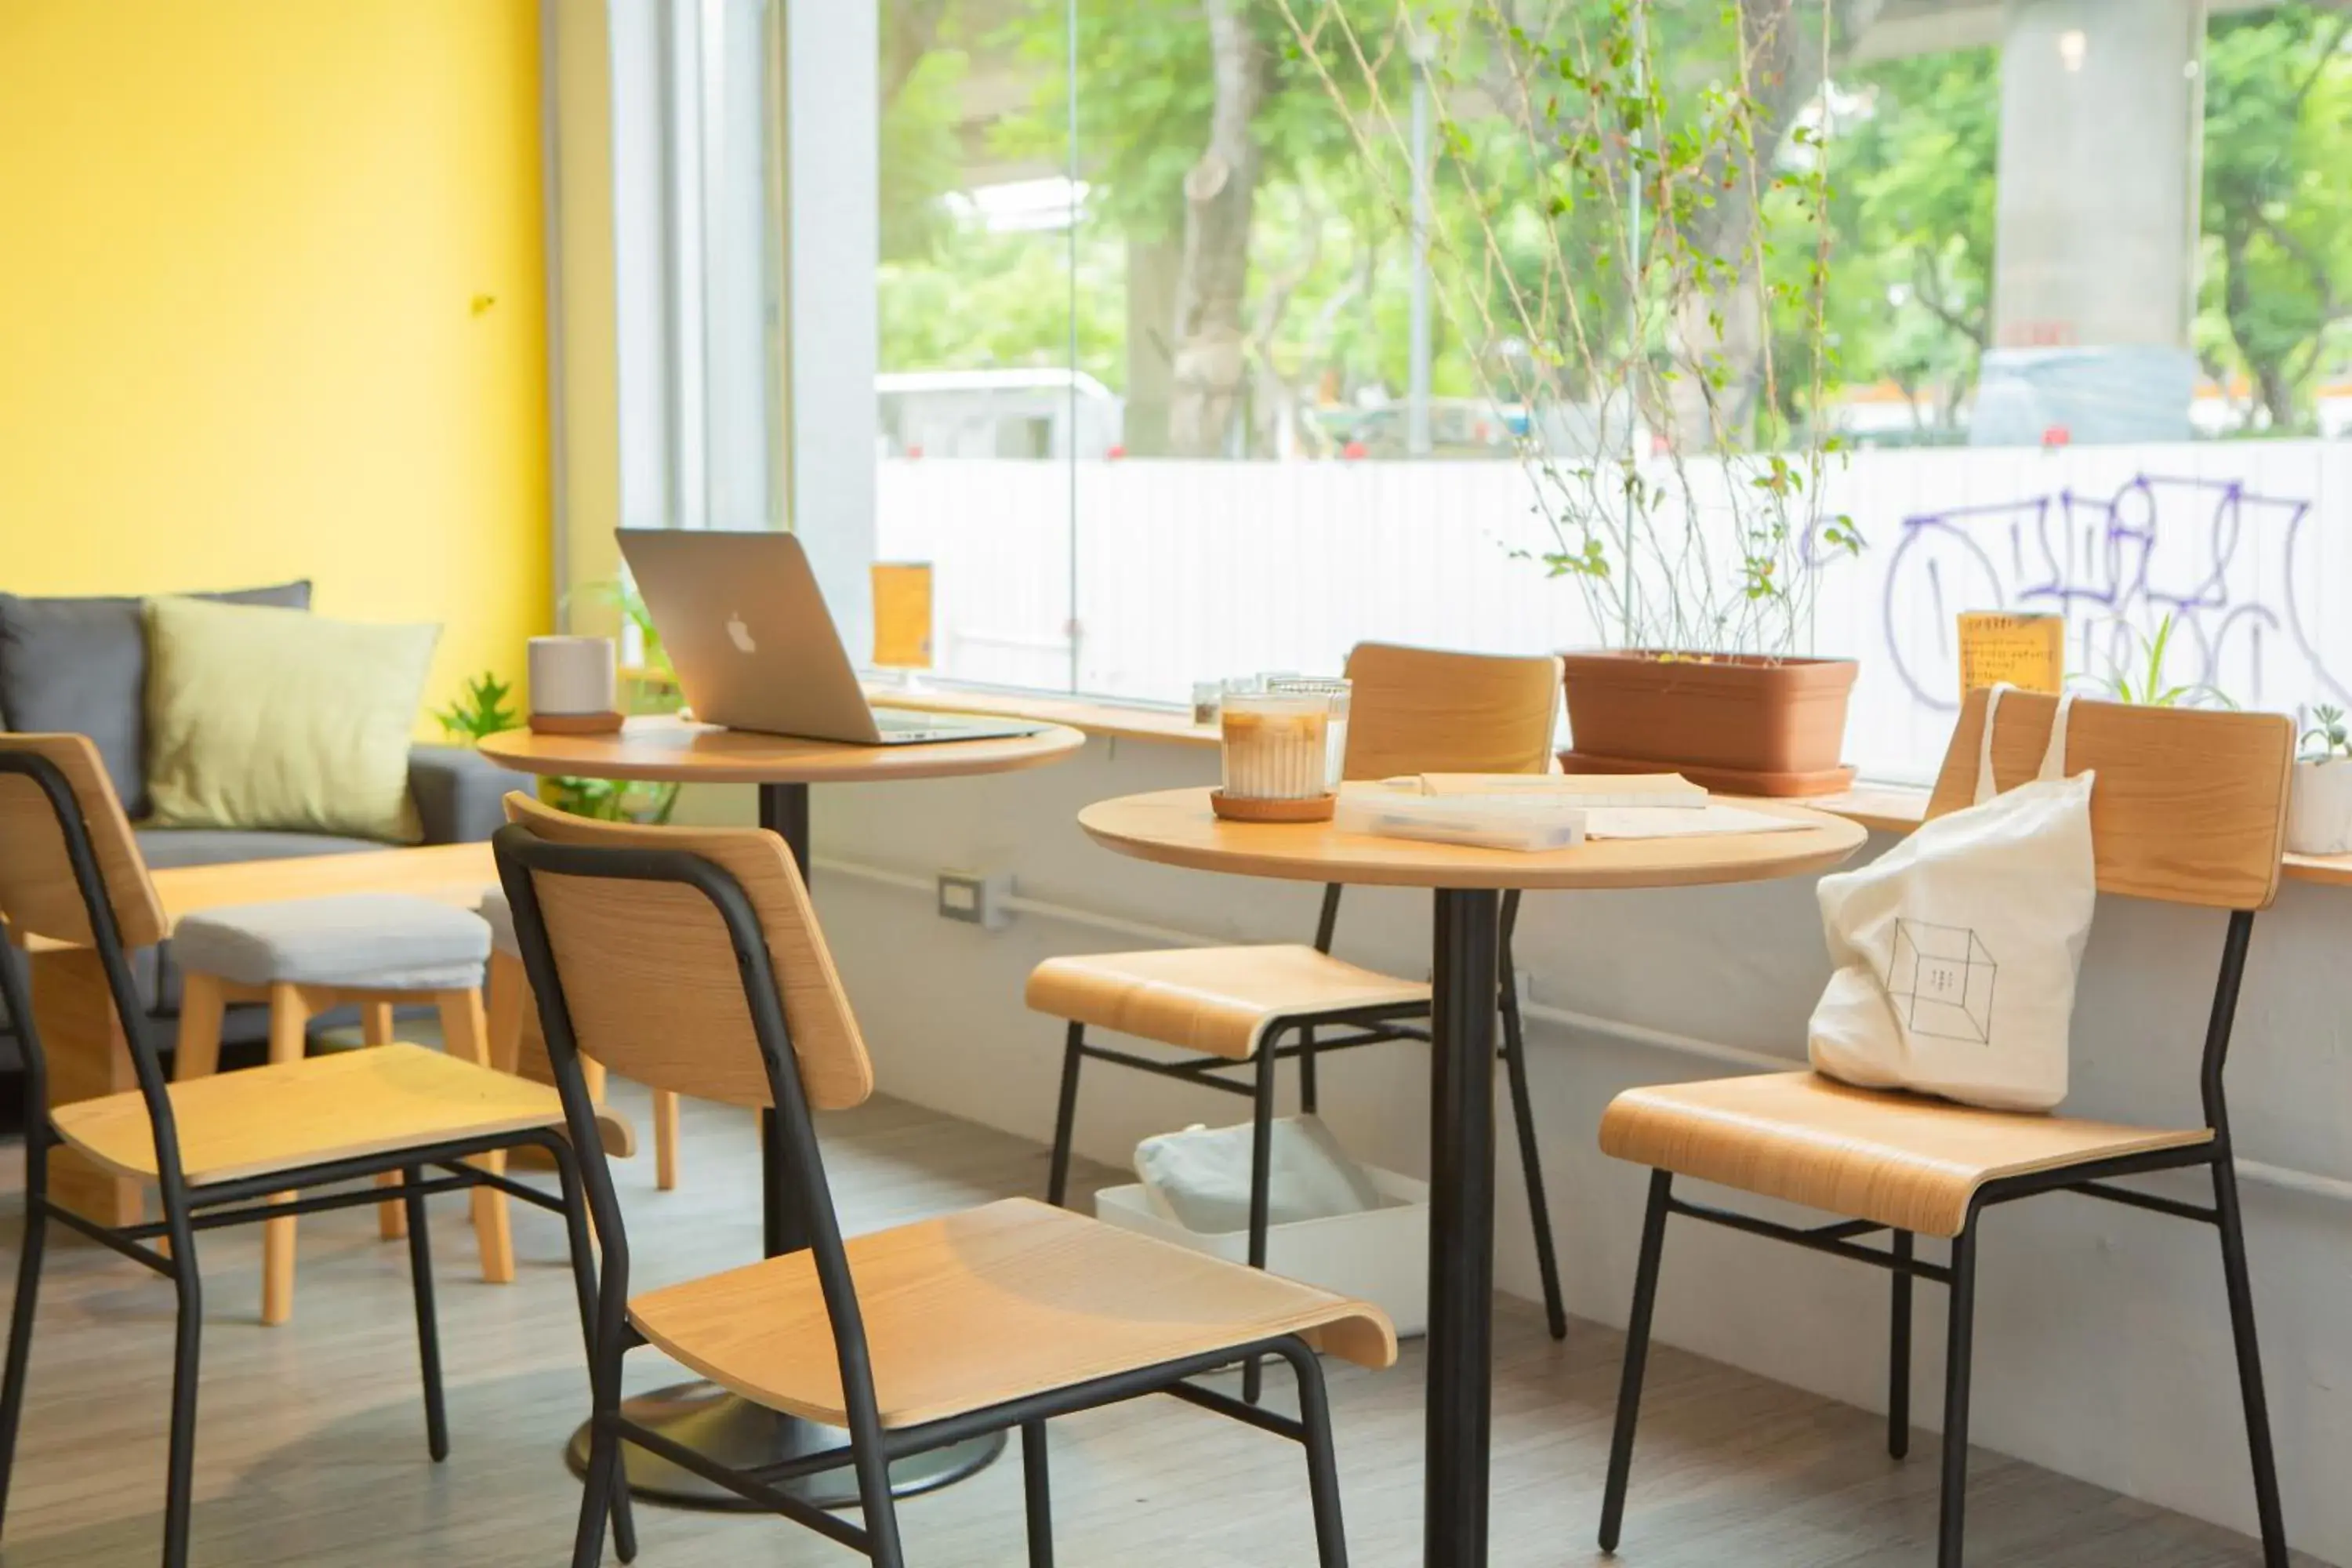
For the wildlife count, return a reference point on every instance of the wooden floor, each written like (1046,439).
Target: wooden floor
(312,1446)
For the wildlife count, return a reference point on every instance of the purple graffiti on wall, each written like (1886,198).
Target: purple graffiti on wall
(2217,558)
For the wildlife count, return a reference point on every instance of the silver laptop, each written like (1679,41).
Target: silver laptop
(755,648)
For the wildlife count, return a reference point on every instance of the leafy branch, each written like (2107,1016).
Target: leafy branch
(1644,304)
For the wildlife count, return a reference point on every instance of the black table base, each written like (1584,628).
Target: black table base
(1461,1227)
(745,1436)
(729,1429)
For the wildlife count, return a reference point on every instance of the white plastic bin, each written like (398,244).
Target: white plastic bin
(1380,1255)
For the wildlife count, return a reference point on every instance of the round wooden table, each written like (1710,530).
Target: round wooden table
(1176,827)
(738,1433)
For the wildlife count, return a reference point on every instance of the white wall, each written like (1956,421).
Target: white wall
(2104,1347)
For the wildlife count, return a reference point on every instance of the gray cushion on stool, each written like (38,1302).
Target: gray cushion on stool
(388,941)
(500,918)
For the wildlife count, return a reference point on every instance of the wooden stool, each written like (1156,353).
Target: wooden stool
(518,1046)
(305,957)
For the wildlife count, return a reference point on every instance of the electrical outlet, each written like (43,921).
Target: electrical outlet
(976,898)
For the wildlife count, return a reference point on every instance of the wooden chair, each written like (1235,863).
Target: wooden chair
(2188,809)
(689,959)
(1411,711)
(307,956)
(518,1046)
(218,1148)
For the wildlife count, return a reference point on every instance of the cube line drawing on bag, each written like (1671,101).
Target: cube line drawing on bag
(1940,978)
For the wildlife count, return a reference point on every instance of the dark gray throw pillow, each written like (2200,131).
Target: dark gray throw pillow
(80,665)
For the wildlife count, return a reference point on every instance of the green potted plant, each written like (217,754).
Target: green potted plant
(2147,684)
(2319,806)
(1658,315)
(480,711)
(648,686)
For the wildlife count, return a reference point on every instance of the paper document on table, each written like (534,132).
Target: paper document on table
(1668,790)
(1675,821)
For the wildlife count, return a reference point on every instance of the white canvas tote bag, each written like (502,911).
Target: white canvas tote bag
(1956,951)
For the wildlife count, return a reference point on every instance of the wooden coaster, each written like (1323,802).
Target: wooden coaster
(574,723)
(1719,781)
(1238,809)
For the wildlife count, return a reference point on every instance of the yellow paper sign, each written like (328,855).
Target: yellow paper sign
(902,615)
(2028,652)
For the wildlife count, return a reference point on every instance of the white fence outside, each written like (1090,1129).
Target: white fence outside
(1172,571)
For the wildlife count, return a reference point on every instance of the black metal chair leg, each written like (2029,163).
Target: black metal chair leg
(582,1245)
(1261,1167)
(20,1325)
(1057,1178)
(1898,1354)
(1322,1462)
(428,1329)
(1951,1524)
(2250,1363)
(1306,1084)
(180,1471)
(603,1479)
(1038,1494)
(875,1500)
(1637,1356)
(1523,1112)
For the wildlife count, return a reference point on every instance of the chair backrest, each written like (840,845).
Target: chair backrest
(2191,803)
(1419,711)
(38,894)
(650,979)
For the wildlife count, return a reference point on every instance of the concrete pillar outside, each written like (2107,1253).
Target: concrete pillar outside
(2095,249)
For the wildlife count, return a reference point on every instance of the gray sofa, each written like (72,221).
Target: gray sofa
(80,665)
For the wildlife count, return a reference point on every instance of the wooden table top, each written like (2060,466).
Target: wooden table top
(1176,827)
(665,749)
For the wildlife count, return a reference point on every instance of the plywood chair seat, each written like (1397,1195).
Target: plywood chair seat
(1905,1160)
(993,1304)
(288,1115)
(1219,1001)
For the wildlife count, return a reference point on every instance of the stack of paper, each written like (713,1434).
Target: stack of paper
(1667,790)
(1510,821)
(1651,822)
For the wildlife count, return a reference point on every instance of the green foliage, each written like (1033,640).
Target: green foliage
(1915,157)
(921,156)
(2144,683)
(2278,294)
(2332,735)
(1871,256)
(620,593)
(654,690)
(480,710)
(611,800)
(987,301)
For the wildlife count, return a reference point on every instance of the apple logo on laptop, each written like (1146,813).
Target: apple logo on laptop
(741,635)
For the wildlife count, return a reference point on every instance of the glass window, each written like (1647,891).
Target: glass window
(1218,336)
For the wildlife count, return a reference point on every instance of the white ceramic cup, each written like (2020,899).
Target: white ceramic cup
(573,675)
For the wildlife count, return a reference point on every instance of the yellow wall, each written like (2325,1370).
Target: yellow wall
(243,250)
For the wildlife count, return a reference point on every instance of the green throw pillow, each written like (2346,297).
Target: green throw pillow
(262,718)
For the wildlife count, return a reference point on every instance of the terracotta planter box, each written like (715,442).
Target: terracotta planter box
(1735,722)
